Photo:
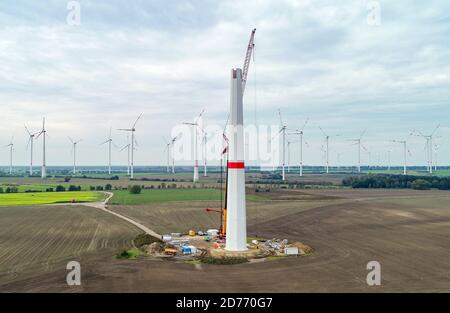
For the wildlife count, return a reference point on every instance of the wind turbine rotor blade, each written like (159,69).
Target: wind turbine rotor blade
(439,125)
(200,115)
(126,146)
(70,139)
(281,119)
(304,125)
(134,125)
(27,130)
(323,131)
(362,134)
(125,129)
(28,143)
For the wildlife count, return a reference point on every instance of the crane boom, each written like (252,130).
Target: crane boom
(248,57)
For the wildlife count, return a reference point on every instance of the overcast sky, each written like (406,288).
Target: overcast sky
(171,59)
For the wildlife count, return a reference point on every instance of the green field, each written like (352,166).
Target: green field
(162,195)
(49,197)
(39,187)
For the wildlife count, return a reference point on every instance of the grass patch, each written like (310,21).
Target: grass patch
(123,197)
(32,198)
(130,254)
(223,260)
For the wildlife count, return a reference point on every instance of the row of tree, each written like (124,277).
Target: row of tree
(397,181)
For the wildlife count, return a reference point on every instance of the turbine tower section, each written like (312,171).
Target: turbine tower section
(236,222)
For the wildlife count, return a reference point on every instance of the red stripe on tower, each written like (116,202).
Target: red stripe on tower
(236,165)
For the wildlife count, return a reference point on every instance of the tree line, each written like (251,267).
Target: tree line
(397,181)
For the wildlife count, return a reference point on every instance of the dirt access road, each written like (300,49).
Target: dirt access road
(409,236)
(103,205)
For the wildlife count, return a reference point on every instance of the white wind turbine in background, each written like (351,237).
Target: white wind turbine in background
(174,139)
(283,128)
(30,144)
(428,147)
(43,132)
(170,154)
(205,150)
(74,150)
(196,125)
(110,142)
(133,142)
(10,146)
(299,132)
(358,142)
(288,155)
(127,146)
(167,149)
(327,146)
(405,152)
(436,149)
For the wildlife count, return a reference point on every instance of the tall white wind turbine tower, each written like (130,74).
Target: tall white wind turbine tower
(110,142)
(358,142)
(74,150)
(43,132)
(196,125)
(405,151)
(236,218)
(174,139)
(299,132)
(435,149)
(288,155)
(30,144)
(133,142)
(10,146)
(283,128)
(167,149)
(127,146)
(429,147)
(327,147)
(205,151)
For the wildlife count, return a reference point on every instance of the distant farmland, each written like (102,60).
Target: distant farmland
(36,239)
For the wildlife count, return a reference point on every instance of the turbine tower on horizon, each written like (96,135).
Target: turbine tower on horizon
(196,125)
(11,146)
(327,149)
(110,142)
(133,142)
(30,144)
(358,142)
(299,132)
(43,132)
(74,149)
(428,147)
(405,151)
(283,128)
